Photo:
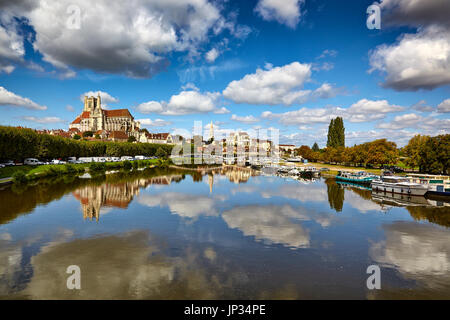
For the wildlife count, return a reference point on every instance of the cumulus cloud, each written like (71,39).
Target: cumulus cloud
(8,98)
(43,120)
(412,120)
(212,55)
(420,252)
(277,85)
(444,106)
(416,61)
(186,102)
(154,123)
(244,119)
(286,12)
(105,96)
(116,38)
(270,224)
(417,12)
(362,111)
(422,106)
(182,204)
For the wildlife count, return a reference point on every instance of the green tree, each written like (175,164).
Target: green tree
(161,153)
(413,151)
(336,133)
(435,155)
(77,137)
(315,147)
(88,134)
(131,139)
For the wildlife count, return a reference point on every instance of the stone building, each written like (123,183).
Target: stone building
(95,119)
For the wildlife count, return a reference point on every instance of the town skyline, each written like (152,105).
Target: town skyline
(242,66)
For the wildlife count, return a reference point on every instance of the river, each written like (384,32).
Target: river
(226,234)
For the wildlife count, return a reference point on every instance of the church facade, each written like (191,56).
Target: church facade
(95,119)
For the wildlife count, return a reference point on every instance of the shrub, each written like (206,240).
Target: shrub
(19,177)
(127,165)
(97,167)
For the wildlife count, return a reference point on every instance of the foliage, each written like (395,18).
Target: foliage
(315,147)
(127,165)
(336,133)
(88,134)
(434,157)
(131,139)
(19,177)
(77,137)
(161,153)
(18,144)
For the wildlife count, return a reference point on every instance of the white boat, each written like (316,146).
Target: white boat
(400,185)
(436,184)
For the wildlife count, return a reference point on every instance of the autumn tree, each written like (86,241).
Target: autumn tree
(413,151)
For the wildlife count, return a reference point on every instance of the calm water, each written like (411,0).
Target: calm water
(226,235)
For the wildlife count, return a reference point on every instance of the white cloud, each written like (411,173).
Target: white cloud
(43,120)
(70,108)
(212,55)
(184,205)
(362,111)
(105,97)
(286,12)
(186,102)
(412,120)
(444,106)
(222,110)
(365,106)
(416,61)
(154,123)
(422,106)
(8,98)
(270,224)
(11,46)
(244,119)
(277,85)
(135,39)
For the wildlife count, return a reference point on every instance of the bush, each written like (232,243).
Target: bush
(70,169)
(97,167)
(161,153)
(127,165)
(19,177)
(135,164)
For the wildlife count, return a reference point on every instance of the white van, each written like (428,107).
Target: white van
(31,162)
(139,157)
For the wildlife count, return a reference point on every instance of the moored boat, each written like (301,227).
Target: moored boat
(355,177)
(400,185)
(437,184)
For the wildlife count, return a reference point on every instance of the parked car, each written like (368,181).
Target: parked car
(32,162)
(127,158)
(2,165)
(8,163)
(56,161)
(72,160)
(115,159)
(139,157)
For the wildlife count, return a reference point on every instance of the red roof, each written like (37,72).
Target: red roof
(158,136)
(74,129)
(118,135)
(85,114)
(77,120)
(117,113)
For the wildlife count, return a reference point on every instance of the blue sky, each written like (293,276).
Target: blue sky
(291,65)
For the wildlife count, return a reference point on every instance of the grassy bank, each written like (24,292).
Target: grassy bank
(335,168)
(28,173)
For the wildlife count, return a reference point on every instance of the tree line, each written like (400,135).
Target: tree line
(19,143)
(423,153)
(375,153)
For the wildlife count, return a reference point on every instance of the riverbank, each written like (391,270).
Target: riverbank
(21,174)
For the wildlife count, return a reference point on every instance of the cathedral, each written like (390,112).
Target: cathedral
(95,119)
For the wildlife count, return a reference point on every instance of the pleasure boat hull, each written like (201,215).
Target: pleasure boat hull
(407,188)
